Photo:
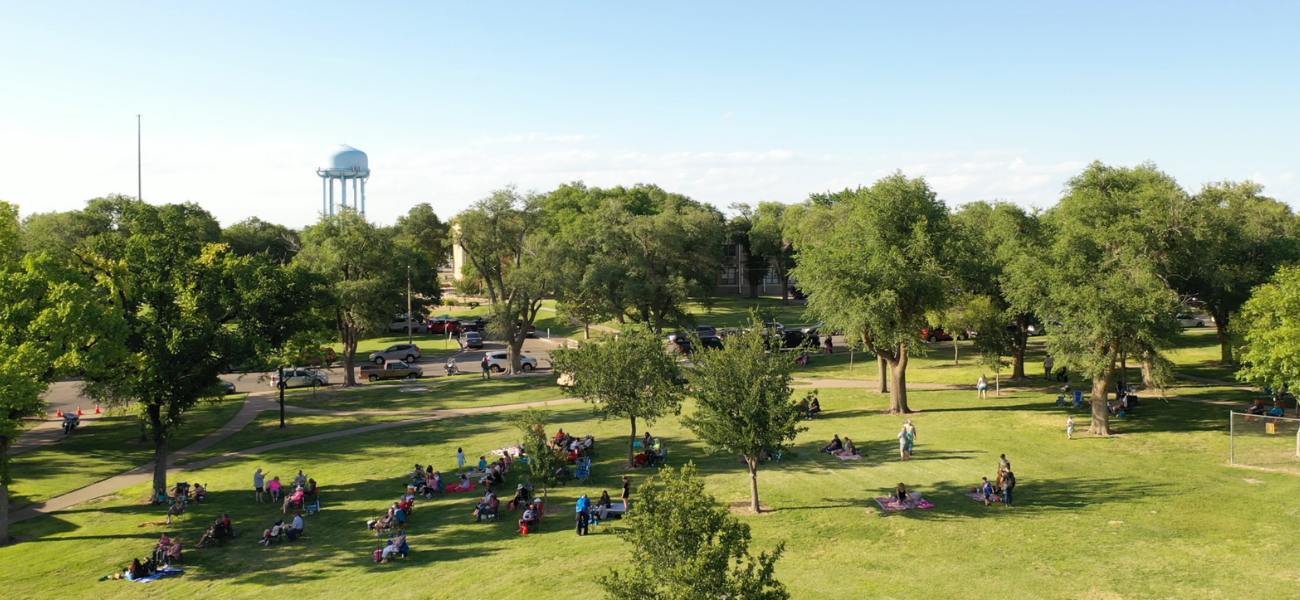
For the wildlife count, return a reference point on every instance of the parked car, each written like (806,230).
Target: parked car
(795,338)
(702,331)
(391,370)
(443,326)
(226,387)
(471,340)
(478,324)
(937,334)
(1189,320)
(300,378)
(400,323)
(531,332)
(500,361)
(711,341)
(407,352)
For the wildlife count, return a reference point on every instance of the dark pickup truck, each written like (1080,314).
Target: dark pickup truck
(391,370)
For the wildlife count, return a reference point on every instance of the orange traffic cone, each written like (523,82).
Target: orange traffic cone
(97,410)
(59,414)
(78,410)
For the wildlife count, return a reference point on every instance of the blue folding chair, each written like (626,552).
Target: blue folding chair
(583,474)
(314,507)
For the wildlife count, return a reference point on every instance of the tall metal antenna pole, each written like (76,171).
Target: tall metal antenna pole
(139,189)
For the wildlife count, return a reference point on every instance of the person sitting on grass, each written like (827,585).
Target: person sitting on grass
(177,508)
(136,571)
(174,552)
(274,488)
(273,534)
(300,480)
(900,493)
(211,536)
(1278,410)
(487,507)
(294,530)
(225,528)
(834,446)
(815,406)
(848,450)
(529,519)
(294,499)
(396,545)
(418,474)
(200,492)
(160,549)
(398,514)
(522,496)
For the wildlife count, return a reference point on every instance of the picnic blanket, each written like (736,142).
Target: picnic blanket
(979,497)
(848,457)
(892,503)
(167,572)
(467,487)
(511,451)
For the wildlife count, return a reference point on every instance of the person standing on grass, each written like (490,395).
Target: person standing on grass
(1069,428)
(259,483)
(1048,363)
(487,373)
(830,349)
(582,515)
(982,387)
(987,490)
(906,438)
(1003,463)
(460,460)
(1008,484)
(627,494)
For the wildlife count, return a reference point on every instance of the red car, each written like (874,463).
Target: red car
(444,326)
(939,335)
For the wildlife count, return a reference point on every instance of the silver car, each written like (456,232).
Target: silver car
(500,361)
(403,352)
(300,378)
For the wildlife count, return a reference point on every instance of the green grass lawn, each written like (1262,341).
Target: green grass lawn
(1197,353)
(441,393)
(101,448)
(265,429)
(1153,512)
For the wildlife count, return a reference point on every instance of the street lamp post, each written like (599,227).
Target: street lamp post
(409,335)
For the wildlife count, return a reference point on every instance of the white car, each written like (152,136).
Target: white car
(498,362)
(1190,320)
(301,378)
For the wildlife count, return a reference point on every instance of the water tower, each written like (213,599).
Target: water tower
(347,164)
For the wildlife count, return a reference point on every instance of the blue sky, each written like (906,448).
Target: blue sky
(726,102)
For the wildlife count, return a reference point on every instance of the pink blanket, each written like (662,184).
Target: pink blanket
(467,487)
(892,503)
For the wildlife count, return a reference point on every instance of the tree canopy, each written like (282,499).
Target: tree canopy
(630,377)
(873,262)
(687,547)
(742,393)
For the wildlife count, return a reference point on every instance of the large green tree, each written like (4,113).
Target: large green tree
(874,261)
(630,377)
(999,255)
(645,252)
(52,325)
(770,237)
(365,269)
(422,230)
(255,236)
(1241,238)
(190,307)
(687,547)
(519,262)
(1268,328)
(1112,234)
(743,406)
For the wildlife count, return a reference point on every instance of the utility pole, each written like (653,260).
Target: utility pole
(139,189)
(409,334)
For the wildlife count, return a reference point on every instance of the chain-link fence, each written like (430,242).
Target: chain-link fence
(1265,442)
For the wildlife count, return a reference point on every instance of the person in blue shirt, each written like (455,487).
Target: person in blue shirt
(987,490)
(399,514)
(482,463)
(582,514)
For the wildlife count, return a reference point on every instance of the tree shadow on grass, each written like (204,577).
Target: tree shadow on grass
(1032,496)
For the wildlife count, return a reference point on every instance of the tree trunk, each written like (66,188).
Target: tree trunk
(898,383)
(1018,346)
(1148,374)
(753,290)
(4,495)
(586,331)
(1100,389)
(159,463)
(1225,339)
(956,353)
(753,482)
(785,289)
(630,442)
(882,374)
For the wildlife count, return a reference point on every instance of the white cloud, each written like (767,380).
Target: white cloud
(274,178)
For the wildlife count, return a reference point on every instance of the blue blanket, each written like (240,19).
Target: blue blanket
(160,574)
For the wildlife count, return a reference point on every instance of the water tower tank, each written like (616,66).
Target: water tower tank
(350,159)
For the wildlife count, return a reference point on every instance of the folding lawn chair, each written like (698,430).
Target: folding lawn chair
(313,507)
(584,472)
